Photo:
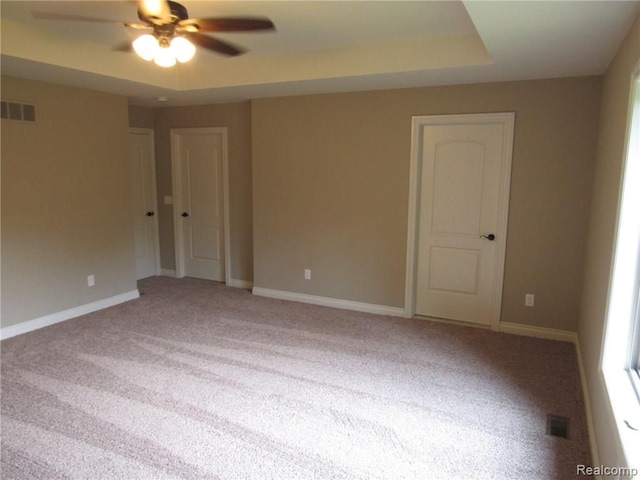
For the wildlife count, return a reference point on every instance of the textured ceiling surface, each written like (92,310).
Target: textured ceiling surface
(319,46)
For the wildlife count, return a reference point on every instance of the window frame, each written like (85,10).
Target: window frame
(634,357)
(620,359)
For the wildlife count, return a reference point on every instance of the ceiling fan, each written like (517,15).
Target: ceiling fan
(173,35)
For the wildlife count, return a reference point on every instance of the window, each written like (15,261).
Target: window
(621,352)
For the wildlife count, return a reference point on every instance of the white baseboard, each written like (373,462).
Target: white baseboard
(329,302)
(47,320)
(246,284)
(166,272)
(538,332)
(595,457)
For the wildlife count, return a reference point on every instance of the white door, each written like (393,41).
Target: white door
(199,168)
(464,172)
(145,220)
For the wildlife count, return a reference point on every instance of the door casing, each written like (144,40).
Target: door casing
(149,135)
(419,123)
(175,135)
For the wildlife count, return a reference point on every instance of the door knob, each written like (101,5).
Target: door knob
(491,237)
(185,214)
(150,214)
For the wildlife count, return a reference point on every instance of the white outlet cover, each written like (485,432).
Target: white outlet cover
(529,300)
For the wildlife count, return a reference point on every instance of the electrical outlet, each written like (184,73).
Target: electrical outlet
(91,280)
(307,274)
(529,300)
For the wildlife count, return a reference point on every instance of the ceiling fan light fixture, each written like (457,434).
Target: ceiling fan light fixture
(146,46)
(182,49)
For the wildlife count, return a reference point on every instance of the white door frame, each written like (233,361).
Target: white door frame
(154,191)
(175,170)
(418,123)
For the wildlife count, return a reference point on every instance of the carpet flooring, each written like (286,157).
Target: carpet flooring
(196,380)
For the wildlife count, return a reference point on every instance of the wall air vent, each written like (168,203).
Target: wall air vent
(21,112)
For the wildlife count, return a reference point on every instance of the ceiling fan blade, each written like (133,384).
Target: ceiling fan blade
(214,44)
(125,47)
(71,18)
(137,26)
(228,24)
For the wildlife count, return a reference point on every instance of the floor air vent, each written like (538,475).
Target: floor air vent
(557,426)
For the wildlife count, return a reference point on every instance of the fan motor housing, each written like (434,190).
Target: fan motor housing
(178,13)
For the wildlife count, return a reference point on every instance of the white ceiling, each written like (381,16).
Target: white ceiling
(320,46)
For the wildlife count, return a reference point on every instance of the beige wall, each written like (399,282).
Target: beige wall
(330,191)
(66,193)
(330,182)
(602,224)
(237,118)
(141,117)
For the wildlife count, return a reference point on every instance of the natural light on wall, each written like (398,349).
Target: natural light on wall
(619,357)
(164,51)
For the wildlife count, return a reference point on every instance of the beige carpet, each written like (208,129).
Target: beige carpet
(196,380)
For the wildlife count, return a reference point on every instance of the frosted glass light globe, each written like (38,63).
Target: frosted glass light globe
(145,46)
(164,57)
(183,49)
